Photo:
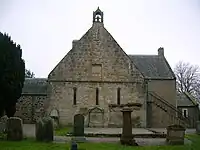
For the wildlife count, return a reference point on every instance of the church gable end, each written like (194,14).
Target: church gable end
(97,57)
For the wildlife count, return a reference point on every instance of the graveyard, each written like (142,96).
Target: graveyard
(43,135)
(98,97)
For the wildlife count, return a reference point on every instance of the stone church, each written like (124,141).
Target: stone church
(97,78)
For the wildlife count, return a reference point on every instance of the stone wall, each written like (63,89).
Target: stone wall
(61,98)
(166,89)
(31,107)
(193,114)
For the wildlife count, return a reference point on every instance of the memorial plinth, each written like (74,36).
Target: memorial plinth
(127,136)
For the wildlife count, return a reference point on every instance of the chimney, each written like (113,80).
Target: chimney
(74,43)
(161,51)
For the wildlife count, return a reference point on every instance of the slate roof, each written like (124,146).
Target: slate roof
(153,66)
(35,86)
(184,99)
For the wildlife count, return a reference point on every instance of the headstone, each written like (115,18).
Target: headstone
(78,131)
(44,129)
(127,136)
(14,129)
(175,135)
(39,130)
(198,127)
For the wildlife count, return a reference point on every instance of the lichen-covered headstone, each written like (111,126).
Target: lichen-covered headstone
(39,131)
(44,129)
(14,129)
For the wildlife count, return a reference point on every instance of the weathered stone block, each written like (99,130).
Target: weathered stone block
(175,135)
(14,129)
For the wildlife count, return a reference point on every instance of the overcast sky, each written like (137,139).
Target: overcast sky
(45,28)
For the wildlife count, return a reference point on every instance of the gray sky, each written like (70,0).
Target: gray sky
(45,28)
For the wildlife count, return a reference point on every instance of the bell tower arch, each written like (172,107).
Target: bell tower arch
(98,16)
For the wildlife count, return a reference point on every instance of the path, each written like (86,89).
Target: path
(29,131)
(140,141)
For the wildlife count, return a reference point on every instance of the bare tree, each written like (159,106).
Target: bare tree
(188,78)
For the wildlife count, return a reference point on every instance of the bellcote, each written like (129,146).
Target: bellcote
(98,16)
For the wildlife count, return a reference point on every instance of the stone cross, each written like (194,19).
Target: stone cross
(127,136)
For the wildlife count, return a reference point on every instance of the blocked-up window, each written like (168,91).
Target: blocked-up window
(96,70)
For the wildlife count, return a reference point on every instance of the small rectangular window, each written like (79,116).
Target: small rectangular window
(97,96)
(118,96)
(74,90)
(185,113)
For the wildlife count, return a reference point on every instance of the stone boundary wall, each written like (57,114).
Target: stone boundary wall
(30,107)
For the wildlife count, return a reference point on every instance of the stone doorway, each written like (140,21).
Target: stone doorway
(96,117)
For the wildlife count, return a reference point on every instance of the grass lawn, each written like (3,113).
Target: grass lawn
(33,145)
(63,131)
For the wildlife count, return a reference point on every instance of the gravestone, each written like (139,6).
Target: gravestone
(127,136)
(14,129)
(44,129)
(96,117)
(78,130)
